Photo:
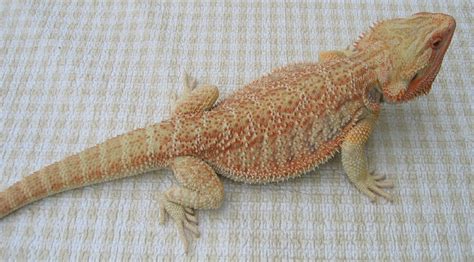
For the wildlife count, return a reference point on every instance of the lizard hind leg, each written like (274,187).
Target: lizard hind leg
(195,98)
(200,189)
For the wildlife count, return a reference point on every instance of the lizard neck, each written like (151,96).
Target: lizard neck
(377,64)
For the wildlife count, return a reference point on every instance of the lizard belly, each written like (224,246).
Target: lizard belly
(286,152)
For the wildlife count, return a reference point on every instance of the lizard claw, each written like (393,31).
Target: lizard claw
(184,218)
(373,186)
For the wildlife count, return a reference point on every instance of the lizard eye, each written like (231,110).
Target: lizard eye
(436,43)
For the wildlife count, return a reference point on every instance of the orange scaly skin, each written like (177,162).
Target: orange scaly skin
(279,126)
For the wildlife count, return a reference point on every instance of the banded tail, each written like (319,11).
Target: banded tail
(126,155)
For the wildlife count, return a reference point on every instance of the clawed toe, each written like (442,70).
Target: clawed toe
(374,185)
(191,218)
(193,228)
(385,184)
(377,177)
(184,218)
(379,191)
(189,210)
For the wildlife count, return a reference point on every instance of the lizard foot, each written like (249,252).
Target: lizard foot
(183,217)
(373,185)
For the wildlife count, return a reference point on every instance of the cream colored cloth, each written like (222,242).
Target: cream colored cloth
(75,74)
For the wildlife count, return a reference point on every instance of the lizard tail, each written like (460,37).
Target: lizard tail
(130,154)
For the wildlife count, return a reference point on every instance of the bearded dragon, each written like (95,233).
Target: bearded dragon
(279,126)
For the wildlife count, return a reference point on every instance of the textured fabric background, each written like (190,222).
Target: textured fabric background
(75,74)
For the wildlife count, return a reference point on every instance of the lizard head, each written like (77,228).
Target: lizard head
(415,47)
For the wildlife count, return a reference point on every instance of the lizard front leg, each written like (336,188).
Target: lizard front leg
(200,189)
(354,160)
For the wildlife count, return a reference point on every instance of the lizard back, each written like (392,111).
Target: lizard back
(285,123)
